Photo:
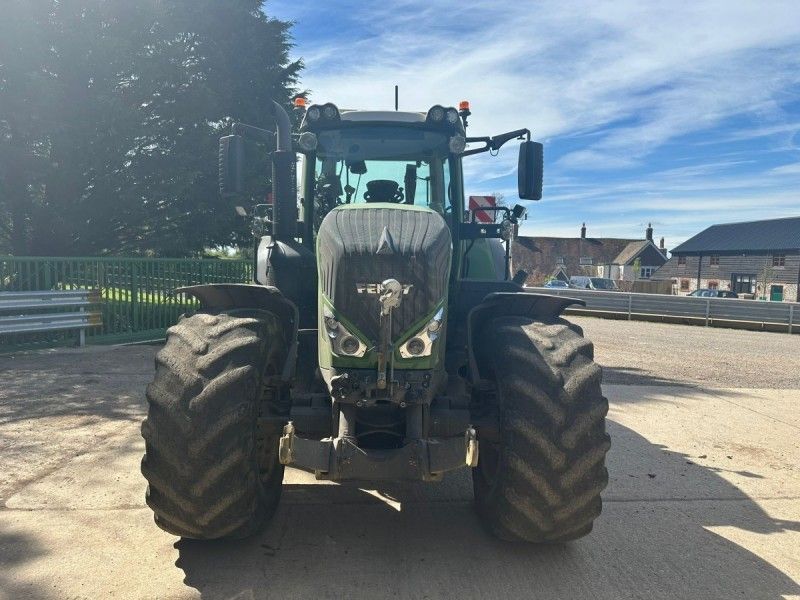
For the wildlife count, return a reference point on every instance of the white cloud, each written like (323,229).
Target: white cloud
(593,160)
(792,169)
(562,67)
(783,129)
(617,79)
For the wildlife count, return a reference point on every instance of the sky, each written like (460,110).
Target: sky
(683,114)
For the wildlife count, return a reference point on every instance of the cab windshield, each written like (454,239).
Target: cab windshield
(401,165)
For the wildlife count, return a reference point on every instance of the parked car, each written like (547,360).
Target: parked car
(593,283)
(556,283)
(709,293)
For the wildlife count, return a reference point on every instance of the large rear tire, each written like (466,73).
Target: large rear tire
(212,470)
(542,481)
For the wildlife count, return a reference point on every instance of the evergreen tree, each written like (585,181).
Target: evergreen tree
(110,113)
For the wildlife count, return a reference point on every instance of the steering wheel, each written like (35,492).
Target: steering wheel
(384,190)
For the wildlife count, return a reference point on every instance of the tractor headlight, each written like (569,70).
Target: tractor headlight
(313,113)
(343,342)
(421,344)
(415,346)
(457,144)
(445,116)
(332,326)
(436,114)
(434,326)
(506,230)
(320,115)
(307,141)
(349,345)
(330,112)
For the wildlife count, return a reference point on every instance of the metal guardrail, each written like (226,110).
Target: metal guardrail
(703,311)
(138,299)
(28,316)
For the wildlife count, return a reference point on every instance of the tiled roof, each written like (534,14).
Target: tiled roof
(629,252)
(754,236)
(543,252)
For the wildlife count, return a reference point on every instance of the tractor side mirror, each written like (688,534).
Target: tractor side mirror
(530,170)
(231,165)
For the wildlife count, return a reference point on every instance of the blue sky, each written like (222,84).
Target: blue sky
(679,114)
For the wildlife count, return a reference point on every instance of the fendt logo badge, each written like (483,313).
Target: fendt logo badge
(377,288)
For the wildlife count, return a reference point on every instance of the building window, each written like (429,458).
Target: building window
(586,260)
(646,272)
(682,260)
(684,285)
(776,293)
(560,260)
(778,260)
(713,285)
(743,284)
(714,260)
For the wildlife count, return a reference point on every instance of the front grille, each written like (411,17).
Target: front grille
(420,256)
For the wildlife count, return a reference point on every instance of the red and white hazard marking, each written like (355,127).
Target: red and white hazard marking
(478,202)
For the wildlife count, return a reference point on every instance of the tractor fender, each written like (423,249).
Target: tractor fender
(541,307)
(228,296)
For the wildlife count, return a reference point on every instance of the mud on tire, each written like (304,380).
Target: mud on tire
(542,481)
(212,472)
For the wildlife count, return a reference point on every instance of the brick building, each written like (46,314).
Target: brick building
(754,258)
(544,257)
(637,261)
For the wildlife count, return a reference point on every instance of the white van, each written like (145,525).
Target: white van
(593,283)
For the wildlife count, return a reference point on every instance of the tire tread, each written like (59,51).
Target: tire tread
(551,469)
(201,430)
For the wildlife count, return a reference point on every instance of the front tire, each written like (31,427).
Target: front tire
(541,481)
(212,470)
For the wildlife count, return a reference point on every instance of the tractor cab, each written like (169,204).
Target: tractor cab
(373,156)
(404,158)
(350,157)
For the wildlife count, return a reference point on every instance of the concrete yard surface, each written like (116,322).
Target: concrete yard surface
(703,502)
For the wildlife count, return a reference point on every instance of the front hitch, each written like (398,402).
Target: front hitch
(340,458)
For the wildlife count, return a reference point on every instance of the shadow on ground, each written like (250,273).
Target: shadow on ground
(96,382)
(636,376)
(662,534)
(633,376)
(17,548)
(339,541)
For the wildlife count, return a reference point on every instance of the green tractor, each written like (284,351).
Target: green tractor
(379,341)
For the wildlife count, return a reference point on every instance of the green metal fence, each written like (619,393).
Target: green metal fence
(137,294)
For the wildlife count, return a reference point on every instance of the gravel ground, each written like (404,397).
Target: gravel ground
(702,500)
(641,353)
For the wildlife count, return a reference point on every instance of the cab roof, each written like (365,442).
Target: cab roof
(382,115)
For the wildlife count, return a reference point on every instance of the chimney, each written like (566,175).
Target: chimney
(583,231)
(662,247)
(649,232)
